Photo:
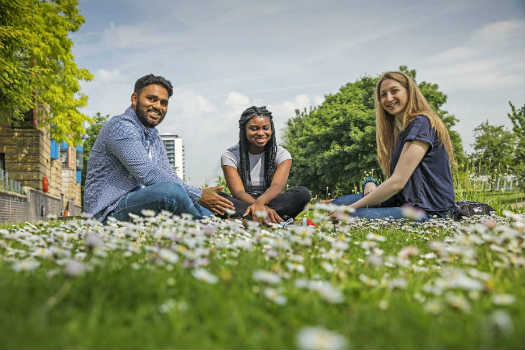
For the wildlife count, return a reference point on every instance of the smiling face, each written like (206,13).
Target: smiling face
(258,132)
(393,97)
(151,104)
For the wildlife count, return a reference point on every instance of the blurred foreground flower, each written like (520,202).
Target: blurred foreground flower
(413,212)
(274,296)
(265,276)
(25,265)
(317,338)
(205,276)
(74,268)
(501,321)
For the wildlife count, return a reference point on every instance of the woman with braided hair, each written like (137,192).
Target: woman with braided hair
(256,170)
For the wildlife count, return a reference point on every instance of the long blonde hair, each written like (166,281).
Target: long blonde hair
(386,132)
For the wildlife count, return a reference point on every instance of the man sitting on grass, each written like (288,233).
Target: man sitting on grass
(128,170)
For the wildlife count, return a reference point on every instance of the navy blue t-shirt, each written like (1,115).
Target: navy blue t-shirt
(430,186)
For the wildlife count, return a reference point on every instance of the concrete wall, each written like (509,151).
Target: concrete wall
(12,207)
(35,205)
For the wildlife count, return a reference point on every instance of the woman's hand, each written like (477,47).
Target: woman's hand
(369,187)
(258,208)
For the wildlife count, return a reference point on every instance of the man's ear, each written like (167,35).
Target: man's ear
(134,99)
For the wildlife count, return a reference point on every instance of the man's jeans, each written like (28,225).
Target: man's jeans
(168,196)
(370,213)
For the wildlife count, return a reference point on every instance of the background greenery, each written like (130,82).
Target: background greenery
(38,67)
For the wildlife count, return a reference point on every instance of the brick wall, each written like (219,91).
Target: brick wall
(28,160)
(25,157)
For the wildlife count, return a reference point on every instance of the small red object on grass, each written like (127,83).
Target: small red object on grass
(310,222)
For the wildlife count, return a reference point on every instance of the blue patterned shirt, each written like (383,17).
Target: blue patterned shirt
(125,157)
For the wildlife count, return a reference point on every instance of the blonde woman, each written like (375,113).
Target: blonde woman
(415,154)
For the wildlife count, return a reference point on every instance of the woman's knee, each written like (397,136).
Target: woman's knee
(302,194)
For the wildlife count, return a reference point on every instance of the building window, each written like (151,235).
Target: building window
(64,158)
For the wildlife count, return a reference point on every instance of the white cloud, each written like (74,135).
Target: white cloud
(134,36)
(499,31)
(190,104)
(106,76)
(453,55)
(479,62)
(286,109)
(236,99)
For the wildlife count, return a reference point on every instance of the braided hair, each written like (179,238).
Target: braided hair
(270,150)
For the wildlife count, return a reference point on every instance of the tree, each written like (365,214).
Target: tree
(89,140)
(334,144)
(494,148)
(37,67)
(517,117)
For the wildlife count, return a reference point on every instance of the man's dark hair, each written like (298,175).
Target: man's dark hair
(270,151)
(149,79)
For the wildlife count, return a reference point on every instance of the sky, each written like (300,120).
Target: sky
(224,56)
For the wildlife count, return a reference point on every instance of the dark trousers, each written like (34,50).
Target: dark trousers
(287,204)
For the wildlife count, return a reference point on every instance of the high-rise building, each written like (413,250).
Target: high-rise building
(175,151)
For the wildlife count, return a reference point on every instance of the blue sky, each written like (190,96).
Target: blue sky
(224,56)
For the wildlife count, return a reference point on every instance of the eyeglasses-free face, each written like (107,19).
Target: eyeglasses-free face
(393,97)
(258,132)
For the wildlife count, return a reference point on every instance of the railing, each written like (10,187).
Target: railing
(496,183)
(8,184)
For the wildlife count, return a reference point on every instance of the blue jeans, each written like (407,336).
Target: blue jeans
(168,196)
(371,213)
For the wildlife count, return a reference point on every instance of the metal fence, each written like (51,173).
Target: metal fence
(495,183)
(7,184)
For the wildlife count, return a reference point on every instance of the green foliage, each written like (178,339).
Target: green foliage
(334,144)
(517,117)
(89,140)
(221,181)
(494,148)
(471,187)
(37,67)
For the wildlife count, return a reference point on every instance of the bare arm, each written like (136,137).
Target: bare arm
(411,155)
(279,180)
(233,179)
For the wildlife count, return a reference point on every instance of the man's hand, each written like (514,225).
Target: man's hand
(369,187)
(214,201)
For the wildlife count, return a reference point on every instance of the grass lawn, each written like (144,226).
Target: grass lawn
(165,282)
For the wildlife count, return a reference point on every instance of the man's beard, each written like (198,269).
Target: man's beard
(142,115)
